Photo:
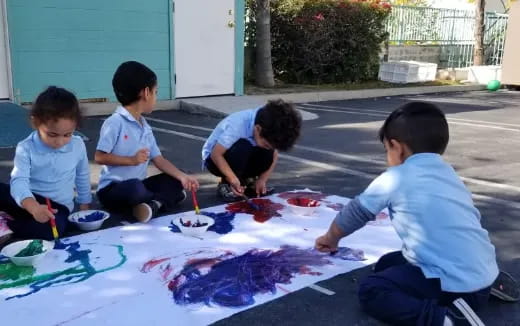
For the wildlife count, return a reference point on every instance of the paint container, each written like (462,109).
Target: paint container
(10,251)
(89,220)
(193,225)
(302,206)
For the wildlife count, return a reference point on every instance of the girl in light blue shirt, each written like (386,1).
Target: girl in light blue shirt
(51,163)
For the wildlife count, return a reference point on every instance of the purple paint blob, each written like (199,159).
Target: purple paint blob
(222,224)
(96,216)
(233,282)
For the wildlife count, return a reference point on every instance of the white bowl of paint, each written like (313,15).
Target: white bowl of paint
(89,220)
(15,251)
(193,225)
(302,205)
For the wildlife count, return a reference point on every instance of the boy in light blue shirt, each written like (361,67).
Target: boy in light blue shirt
(127,145)
(447,263)
(243,148)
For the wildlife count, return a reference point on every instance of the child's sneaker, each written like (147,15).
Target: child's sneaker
(506,288)
(145,211)
(225,193)
(461,314)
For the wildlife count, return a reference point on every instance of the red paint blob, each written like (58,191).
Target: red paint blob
(151,264)
(303,202)
(262,209)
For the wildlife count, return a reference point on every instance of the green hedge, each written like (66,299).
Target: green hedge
(327,41)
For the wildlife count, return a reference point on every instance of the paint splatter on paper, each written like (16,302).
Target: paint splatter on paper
(77,266)
(232,281)
(262,209)
(223,222)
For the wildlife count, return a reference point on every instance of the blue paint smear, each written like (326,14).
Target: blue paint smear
(96,216)
(222,224)
(235,281)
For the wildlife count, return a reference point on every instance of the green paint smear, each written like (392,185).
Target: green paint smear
(35,247)
(12,272)
(22,277)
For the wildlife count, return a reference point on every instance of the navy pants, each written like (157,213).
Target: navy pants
(399,294)
(122,196)
(24,225)
(246,160)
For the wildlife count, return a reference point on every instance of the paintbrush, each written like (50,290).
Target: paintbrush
(52,221)
(195,202)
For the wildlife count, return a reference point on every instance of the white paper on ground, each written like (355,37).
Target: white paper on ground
(128,296)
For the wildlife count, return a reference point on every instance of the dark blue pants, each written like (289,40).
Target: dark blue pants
(399,294)
(24,225)
(122,196)
(246,160)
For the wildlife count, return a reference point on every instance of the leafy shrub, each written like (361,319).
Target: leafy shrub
(326,41)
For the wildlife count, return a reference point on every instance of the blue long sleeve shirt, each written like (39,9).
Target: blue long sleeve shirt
(56,174)
(434,215)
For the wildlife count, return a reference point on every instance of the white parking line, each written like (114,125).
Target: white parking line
(321,289)
(332,167)
(468,122)
(306,148)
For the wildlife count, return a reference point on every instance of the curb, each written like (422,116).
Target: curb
(107,108)
(204,106)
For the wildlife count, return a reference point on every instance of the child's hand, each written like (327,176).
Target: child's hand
(236,187)
(84,207)
(141,156)
(261,186)
(42,214)
(189,183)
(327,243)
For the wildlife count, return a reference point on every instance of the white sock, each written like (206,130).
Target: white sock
(447,321)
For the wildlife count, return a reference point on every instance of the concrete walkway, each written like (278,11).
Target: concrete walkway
(221,106)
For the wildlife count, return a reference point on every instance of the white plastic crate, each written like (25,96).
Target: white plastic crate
(407,71)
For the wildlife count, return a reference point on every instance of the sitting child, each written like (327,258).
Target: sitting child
(243,148)
(447,263)
(126,145)
(50,164)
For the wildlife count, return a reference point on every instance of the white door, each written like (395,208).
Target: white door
(204,47)
(4,74)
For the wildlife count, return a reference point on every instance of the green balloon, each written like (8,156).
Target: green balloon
(493,85)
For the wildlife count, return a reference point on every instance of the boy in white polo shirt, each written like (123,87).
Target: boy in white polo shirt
(126,146)
(243,148)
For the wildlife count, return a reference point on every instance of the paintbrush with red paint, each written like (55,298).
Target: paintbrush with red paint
(195,202)
(52,221)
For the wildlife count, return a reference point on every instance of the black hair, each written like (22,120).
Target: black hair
(55,103)
(130,79)
(421,126)
(280,124)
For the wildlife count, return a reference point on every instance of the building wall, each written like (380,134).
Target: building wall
(78,44)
